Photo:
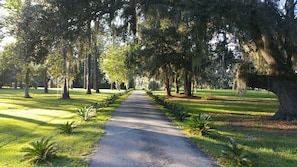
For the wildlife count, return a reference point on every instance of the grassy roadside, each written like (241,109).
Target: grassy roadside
(270,143)
(25,120)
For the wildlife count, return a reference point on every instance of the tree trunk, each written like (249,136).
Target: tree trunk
(21,84)
(96,59)
(52,83)
(15,83)
(45,81)
(285,89)
(167,86)
(89,74)
(27,79)
(176,85)
(15,77)
(187,84)
(65,94)
(85,74)
(89,59)
(96,78)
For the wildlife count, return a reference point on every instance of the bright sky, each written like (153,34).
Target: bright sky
(6,40)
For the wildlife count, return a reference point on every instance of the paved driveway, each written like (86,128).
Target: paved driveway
(139,135)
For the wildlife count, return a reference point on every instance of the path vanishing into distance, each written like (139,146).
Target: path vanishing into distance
(140,135)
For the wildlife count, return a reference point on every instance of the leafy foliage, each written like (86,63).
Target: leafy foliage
(235,154)
(200,123)
(40,150)
(67,127)
(180,113)
(85,112)
(114,66)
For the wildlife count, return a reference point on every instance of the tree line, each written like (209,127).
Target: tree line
(181,43)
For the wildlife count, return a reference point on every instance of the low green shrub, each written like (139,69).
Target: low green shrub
(110,100)
(67,127)
(40,150)
(96,106)
(235,154)
(86,112)
(179,113)
(200,124)
(158,100)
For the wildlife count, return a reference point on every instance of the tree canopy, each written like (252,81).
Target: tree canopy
(178,42)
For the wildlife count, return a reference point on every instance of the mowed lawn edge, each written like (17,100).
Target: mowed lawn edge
(23,120)
(242,117)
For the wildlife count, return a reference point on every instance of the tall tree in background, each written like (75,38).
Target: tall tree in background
(113,64)
(32,42)
(266,30)
(272,31)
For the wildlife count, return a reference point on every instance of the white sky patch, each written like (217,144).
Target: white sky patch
(5,41)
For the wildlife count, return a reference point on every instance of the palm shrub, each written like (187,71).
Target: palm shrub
(179,112)
(40,150)
(67,127)
(85,112)
(235,154)
(200,124)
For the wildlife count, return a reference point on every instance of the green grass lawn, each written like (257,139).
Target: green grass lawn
(270,143)
(23,120)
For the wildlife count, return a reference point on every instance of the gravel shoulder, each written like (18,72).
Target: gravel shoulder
(139,135)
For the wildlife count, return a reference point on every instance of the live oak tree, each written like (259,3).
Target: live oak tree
(32,42)
(265,29)
(8,66)
(269,30)
(113,65)
(274,35)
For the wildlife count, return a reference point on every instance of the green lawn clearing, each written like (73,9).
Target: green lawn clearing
(269,143)
(23,120)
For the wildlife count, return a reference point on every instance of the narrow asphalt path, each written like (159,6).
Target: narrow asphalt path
(139,135)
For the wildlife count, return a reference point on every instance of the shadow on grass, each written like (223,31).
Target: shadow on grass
(215,144)
(52,100)
(24,119)
(64,161)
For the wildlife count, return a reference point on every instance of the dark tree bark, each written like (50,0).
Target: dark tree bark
(187,83)
(167,82)
(89,57)
(65,94)
(285,89)
(85,74)
(176,84)
(89,74)
(96,72)
(15,77)
(15,84)
(27,79)
(277,53)
(167,86)
(45,81)
(21,84)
